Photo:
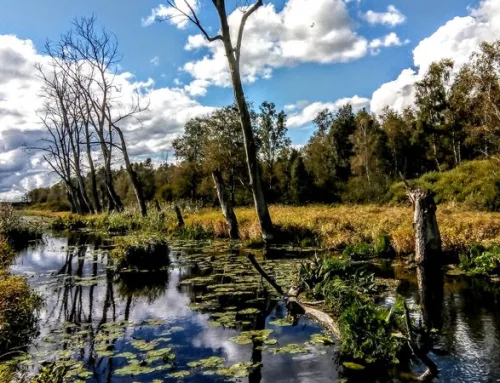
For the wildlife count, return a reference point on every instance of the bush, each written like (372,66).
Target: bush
(367,334)
(475,184)
(349,295)
(18,305)
(480,261)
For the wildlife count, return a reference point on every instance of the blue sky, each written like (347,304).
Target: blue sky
(314,82)
(386,58)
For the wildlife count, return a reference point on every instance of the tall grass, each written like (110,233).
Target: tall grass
(117,222)
(333,227)
(339,226)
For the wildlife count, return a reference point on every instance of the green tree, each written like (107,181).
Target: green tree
(432,97)
(272,141)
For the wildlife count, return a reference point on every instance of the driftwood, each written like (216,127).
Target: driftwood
(292,297)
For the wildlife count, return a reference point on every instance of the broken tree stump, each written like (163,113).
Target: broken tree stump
(427,235)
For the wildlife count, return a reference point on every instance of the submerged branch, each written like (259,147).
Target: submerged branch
(432,370)
(326,320)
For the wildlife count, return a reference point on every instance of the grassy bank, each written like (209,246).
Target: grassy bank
(343,225)
(333,227)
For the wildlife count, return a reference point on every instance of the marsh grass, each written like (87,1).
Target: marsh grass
(140,251)
(337,227)
(18,303)
(115,222)
(18,318)
(15,230)
(334,227)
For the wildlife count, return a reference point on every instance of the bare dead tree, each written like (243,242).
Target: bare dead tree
(62,143)
(233,54)
(98,52)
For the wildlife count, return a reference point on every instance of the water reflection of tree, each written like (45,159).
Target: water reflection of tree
(150,285)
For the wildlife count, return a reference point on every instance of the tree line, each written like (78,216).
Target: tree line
(240,154)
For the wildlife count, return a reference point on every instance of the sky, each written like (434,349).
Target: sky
(303,55)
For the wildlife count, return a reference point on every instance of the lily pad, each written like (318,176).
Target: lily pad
(291,348)
(353,366)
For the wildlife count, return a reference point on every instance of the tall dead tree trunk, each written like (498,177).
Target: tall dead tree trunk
(233,58)
(233,54)
(226,205)
(132,175)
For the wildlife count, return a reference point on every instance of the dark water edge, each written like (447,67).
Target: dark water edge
(94,315)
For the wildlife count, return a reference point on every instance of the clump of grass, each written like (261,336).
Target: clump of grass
(6,253)
(194,232)
(478,260)
(18,319)
(122,222)
(381,248)
(140,251)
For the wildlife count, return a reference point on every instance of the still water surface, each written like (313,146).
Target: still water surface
(99,318)
(166,322)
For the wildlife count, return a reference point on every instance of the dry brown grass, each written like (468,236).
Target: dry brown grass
(337,226)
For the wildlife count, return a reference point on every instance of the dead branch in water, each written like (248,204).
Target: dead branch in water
(292,297)
(432,370)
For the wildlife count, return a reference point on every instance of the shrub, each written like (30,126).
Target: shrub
(367,334)
(475,184)
(18,305)
(349,295)
(480,261)
(17,231)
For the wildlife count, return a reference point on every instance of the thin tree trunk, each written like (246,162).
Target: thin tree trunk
(133,175)
(178,213)
(434,148)
(266,224)
(114,201)
(92,175)
(455,153)
(226,205)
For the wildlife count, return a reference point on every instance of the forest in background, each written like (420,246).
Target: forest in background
(449,141)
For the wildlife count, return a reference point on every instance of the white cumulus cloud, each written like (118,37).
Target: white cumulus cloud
(389,40)
(165,12)
(457,39)
(303,113)
(299,33)
(391,17)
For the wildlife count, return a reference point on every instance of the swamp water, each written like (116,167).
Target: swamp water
(205,318)
(209,318)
